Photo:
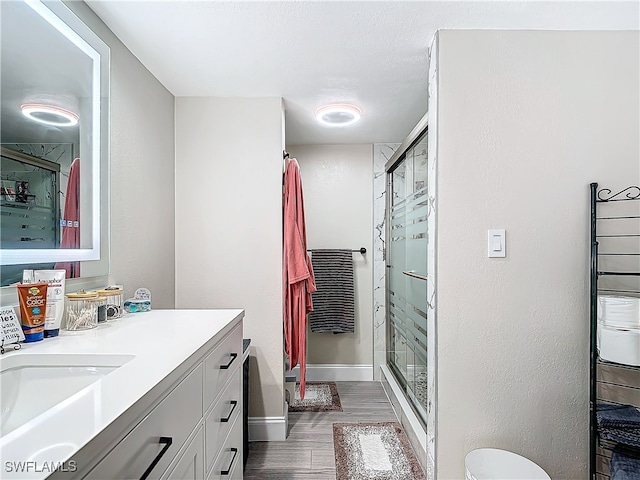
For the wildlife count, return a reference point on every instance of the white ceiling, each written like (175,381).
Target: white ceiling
(373,54)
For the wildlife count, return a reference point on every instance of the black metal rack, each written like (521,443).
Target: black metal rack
(614,278)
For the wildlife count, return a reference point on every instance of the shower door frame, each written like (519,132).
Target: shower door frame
(419,132)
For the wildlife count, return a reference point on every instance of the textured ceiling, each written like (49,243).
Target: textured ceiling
(373,54)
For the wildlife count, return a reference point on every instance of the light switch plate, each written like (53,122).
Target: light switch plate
(496,243)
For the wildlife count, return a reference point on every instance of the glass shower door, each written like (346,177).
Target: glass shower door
(406,274)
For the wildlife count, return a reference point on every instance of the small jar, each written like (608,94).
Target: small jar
(113,296)
(82,310)
(101,305)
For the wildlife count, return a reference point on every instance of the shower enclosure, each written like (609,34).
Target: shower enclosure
(406,278)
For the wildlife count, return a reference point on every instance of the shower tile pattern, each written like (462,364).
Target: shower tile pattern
(432,147)
(382,152)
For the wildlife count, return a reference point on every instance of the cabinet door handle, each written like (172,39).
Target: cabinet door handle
(167,443)
(233,357)
(233,459)
(234,403)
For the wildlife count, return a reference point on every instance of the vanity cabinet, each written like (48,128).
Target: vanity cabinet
(194,432)
(228,464)
(159,436)
(191,464)
(222,404)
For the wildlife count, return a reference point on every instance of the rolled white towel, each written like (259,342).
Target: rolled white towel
(619,311)
(619,345)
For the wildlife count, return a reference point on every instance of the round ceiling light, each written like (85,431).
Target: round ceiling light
(49,115)
(341,115)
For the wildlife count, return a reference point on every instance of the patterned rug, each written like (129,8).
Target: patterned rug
(318,397)
(374,451)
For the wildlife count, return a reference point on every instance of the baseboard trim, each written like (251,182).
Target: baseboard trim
(329,372)
(267,429)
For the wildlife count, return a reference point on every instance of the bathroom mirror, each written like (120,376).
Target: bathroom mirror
(54,135)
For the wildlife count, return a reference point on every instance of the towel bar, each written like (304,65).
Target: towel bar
(362,250)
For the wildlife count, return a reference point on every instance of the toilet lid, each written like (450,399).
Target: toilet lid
(494,464)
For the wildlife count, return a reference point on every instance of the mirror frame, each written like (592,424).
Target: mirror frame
(60,17)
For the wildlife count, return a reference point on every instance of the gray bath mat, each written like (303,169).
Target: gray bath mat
(318,397)
(374,451)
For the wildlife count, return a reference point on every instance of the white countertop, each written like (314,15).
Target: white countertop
(159,341)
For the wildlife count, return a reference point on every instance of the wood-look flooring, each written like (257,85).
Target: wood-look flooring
(308,451)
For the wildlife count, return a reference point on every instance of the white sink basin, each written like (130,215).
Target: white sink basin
(31,384)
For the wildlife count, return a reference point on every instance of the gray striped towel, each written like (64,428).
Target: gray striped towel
(334,302)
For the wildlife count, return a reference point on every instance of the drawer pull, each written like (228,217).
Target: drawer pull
(233,357)
(234,403)
(233,459)
(167,443)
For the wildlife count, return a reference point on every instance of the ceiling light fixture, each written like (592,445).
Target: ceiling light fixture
(338,115)
(49,115)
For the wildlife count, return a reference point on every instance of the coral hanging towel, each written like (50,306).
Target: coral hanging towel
(71,230)
(297,274)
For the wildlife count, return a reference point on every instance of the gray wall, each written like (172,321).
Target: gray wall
(526,121)
(338,202)
(229,226)
(142,199)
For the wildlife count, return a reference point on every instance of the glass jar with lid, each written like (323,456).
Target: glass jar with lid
(82,310)
(114,299)
(101,305)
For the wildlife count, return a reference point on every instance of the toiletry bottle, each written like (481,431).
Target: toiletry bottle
(33,305)
(55,299)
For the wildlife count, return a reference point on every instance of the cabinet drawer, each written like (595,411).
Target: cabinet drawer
(221,417)
(141,447)
(191,463)
(220,364)
(228,465)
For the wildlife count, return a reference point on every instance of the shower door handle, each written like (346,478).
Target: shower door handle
(411,273)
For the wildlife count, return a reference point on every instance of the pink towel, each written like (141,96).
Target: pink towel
(298,279)
(71,231)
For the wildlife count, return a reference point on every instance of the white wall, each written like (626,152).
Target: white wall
(142,211)
(338,200)
(526,121)
(229,224)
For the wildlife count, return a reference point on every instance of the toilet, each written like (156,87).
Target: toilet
(494,464)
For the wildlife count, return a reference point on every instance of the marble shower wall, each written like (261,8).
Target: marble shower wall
(382,152)
(432,155)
